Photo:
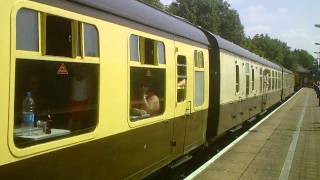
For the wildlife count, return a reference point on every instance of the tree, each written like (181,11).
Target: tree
(213,15)
(278,52)
(271,49)
(154,3)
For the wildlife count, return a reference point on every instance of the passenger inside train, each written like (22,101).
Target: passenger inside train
(61,90)
(147,92)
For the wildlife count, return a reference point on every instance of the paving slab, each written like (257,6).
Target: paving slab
(285,146)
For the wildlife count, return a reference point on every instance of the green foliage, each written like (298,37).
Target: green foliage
(278,52)
(272,49)
(154,3)
(218,17)
(214,15)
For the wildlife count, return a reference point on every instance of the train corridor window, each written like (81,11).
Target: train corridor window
(261,80)
(27,30)
(58,36)
(91,42)
(247,79)
(252,79)
(181,78)
(237,79)
(147,92)
(54,100)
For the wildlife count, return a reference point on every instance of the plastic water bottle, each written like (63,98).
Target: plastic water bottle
(28,108)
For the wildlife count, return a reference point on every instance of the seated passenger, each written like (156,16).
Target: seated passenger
(146,102)
(79,98)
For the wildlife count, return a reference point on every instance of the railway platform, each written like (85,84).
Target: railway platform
(286,145)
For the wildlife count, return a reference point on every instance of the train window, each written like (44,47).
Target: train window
(181,78)
(199,88)
(79,38)
(279,80)
(247,79)
(237,79)
(198,59)
(276,83)
(195,57)
(58,36)
(200,64)
(261,80)
(269,81)
(134,48)
(252,79)
(63,103)
(27,35)
(274,80)
(147,51)
(147,92)
(161,53)
(147,55)
(91,40)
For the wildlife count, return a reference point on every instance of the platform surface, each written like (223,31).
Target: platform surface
(284,146)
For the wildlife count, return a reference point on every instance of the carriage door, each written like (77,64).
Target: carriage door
(264,90)
(183,100)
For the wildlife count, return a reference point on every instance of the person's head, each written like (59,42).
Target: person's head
(144,87)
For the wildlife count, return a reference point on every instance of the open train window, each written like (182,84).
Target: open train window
(147,51)
(27,30)
(58,36)
(147,92)
(65,91)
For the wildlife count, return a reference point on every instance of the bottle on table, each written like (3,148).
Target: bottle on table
(28,109)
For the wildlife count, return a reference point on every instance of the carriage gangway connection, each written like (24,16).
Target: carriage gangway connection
(283,145)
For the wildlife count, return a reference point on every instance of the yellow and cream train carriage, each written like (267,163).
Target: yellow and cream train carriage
(242,85)
(129,88)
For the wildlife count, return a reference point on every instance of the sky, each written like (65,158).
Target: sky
(291,21)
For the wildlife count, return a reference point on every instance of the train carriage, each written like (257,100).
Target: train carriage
(120,89)
(242,85)
(85,63)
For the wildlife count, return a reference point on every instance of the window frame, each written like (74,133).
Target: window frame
(237,79)
(252,78)
(247,78)
(199,68)
(38,55)
(138,64)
